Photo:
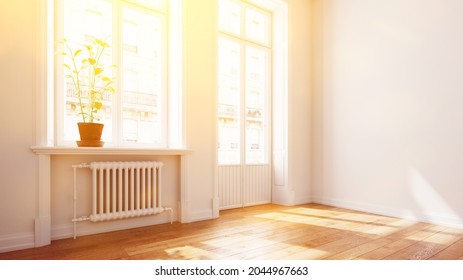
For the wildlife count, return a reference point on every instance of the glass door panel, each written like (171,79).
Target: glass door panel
(257,92)
(230,16)
(257,26)
(229,100)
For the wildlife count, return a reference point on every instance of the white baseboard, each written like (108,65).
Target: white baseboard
(302,200)
(431,218)
(201,215)
(215,207)
(14,242)
(42,231)
(283,196)
(184,211)
(286,197)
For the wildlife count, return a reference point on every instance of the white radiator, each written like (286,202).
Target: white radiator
(230,187)
(241,186)
(123,189)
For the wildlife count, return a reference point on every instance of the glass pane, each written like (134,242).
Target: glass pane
(142,77)
(229,16)
(257,91)
(83,21)
(257,26)
(229,102)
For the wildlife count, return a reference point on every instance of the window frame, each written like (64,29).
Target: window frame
(172,96)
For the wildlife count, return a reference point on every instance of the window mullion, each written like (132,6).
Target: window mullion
(243,102)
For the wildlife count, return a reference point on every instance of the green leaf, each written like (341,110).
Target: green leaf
(98,105)
(77,52)
(66,66)
(98,71)
(102,43)
(106,79)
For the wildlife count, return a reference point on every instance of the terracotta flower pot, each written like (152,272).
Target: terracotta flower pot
(90,134)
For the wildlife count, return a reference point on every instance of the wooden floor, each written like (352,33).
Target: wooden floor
(273,232)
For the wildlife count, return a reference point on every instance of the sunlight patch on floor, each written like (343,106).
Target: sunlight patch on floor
(360,217)
(442,238)
(190,253)
(367,226)
(425,233)
(445,237)
(238,244)
(390,228)
(311,254)
(292,252)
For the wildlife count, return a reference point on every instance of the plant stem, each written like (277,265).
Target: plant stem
(77,82)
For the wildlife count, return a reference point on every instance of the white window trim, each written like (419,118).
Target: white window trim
(44,133)
(46,123)
(280,95)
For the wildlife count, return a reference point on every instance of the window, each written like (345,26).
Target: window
(244,67)
(142,40)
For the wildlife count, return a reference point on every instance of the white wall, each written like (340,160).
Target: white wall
(388,113)
(18,165)
(300,99)
(200,90)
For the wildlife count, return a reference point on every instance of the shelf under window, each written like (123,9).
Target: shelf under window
(44,150)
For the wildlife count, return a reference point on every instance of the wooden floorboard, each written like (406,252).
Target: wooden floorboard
(266,232)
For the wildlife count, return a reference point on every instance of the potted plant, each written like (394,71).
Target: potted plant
(85,69)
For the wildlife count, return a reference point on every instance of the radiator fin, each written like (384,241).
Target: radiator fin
(125,189)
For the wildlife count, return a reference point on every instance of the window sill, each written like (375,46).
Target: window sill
(44,150)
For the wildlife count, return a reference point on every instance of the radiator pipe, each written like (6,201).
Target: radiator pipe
(81,219)
(171,213)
